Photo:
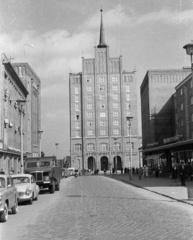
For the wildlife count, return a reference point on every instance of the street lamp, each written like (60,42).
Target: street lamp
(129,119)
(21,103)
(189,51)
(57,144)
(116,155)
(40,133)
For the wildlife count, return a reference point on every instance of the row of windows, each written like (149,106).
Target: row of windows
(102,96)
(102,114)
(90,132)
(103,147)
(102,106)
(103,88)
(101,79)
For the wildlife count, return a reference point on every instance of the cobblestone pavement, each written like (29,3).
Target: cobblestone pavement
(101,208)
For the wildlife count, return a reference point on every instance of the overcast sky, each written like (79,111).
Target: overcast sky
(53,35)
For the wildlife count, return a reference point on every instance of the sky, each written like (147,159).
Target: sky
(53,35)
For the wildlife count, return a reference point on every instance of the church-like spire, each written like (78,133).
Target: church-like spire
(102,42)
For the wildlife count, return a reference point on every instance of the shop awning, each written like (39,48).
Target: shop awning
(154,156)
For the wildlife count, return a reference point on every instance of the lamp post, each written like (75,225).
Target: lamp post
(57,144)
(21,103)
(129,119)
(189,51)
(116,155)
(40,133)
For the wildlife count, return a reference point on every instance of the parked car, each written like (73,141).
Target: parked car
(8,197)
(26,186)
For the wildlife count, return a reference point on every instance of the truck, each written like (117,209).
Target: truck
(45,171)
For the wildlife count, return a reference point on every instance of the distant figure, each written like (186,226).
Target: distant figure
(11,171)
(156,171)
(105,171)
(183,174)
(121,170)
(175,172)
(113,170)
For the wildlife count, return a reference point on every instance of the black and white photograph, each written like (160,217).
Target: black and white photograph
(96,119)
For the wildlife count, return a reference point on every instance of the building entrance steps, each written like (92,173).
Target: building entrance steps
(163,186)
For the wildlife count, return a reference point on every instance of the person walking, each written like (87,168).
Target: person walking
(183,174)
(175,172)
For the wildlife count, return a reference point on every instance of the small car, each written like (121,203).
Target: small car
(8,197)
(26,186)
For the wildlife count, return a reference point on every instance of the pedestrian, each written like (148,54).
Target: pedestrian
(104,171)
(183,173)
(121,170)
(175,172)
(113,170)
(156,171)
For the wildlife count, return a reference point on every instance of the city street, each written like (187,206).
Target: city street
(97,207)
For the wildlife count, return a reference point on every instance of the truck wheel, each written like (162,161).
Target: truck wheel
(52,188)
(4,215)
(15,208)
(58,187)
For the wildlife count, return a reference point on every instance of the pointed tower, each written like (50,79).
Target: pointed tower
(102,42)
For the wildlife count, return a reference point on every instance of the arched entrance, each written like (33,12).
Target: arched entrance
(91,163)
(104,163)
(119,162)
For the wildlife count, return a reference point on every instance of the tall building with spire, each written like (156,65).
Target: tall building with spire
(102,96)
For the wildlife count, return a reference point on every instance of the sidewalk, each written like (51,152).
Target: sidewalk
(163,186)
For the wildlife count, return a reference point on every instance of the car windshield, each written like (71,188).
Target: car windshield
(44,164)
(2,183)
(32,164)
(19,180)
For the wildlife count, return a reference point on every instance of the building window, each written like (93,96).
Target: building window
(127,88)
(89,114)
(116,146)
(115,122)
(114,79)
(102,105)
(76,107)
(191,100)
(102,114)
(77,147)
(192,117)
(90,132)
(89,97)
(77,124)
(89,88)
(115,105)
(76,98)
(89,123)
(128,146)
(89,79)
(115,96)
(102,123)
(115,114)
(116,131)
(101,79)
(77,133)
(90,147)
(103,132)
(102,96)
(181,91)
(89,106)
(102,87)
(181,123)
(76,90)
(114,87)
(103,146)
(128,106)
(181,106)
(128,96)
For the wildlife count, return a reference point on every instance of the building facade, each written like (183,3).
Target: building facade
(11,90)
(33,107)
(101,97)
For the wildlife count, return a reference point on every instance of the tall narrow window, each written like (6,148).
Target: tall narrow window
(103,146)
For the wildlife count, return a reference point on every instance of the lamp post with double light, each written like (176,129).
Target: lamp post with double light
(39,134)
(129,119)
(21,103)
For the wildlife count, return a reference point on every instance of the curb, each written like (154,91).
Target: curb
(161,194)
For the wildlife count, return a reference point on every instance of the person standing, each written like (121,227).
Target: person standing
(182,172)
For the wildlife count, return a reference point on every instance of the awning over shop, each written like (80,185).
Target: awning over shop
(154,156)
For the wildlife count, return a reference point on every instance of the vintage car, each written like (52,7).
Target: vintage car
(8,197)
(26,186)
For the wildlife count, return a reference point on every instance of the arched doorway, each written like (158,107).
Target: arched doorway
(104,163)
(119,162)
(91,163)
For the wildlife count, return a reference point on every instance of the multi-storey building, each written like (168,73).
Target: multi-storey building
(157,111)
(33,106)
(101,97)
(11,90)
(160,134)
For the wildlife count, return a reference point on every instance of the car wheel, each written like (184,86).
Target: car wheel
(4,215)
(15,208)
(31,199)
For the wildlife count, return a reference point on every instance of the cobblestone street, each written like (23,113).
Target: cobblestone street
(96,207)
